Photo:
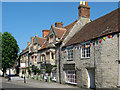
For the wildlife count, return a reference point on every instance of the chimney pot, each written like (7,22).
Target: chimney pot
(32,38)
(86,3)
(80,2)
(59,24)
(28,43)
(83,2)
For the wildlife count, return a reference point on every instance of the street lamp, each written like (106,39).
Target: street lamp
(25,74)
(9,73)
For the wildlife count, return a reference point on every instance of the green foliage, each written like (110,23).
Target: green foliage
(48,70)
(29,71)
(34,69)
(54,65)
(10,50)
(38,71)
(43,66)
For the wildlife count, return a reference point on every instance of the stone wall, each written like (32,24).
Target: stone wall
(103,59)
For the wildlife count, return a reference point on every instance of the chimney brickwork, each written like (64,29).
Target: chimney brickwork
(84,9)
(28,43)
(59,24)
(45,33)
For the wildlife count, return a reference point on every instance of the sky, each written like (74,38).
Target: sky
(26,19)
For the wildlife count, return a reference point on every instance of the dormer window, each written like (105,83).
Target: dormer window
(51,38)
(35,46)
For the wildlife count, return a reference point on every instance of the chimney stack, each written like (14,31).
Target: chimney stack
(45,33)
(84,9)
(59,24)
(32,38)
(28,43)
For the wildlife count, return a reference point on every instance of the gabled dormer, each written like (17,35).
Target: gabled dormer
(36,43)
(55,33)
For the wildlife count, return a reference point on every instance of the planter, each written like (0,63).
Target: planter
(48,79)
(35,77)
(29,77)
(39,78)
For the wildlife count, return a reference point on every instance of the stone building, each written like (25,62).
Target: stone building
(71,30)
(90,59)
(84,53)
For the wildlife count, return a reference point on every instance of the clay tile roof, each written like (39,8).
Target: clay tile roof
(102,26)
(44,45)
(59,31)
(68,28)
(41,40)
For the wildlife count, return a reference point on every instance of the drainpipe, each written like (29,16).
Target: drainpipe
(119,59)
(59,66)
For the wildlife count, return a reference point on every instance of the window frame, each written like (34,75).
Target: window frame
(51,38)
(86,51)
(72,77)
(70,54)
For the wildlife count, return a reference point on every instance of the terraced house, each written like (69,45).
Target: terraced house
(24,61)
(91,57)
(85,53)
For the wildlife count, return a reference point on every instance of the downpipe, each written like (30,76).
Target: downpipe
(119,59)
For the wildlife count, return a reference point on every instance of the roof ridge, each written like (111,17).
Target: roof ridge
(41,37)
(60,28)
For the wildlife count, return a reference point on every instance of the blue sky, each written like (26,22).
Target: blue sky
(26,19)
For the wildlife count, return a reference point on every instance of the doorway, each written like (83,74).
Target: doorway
(91,78)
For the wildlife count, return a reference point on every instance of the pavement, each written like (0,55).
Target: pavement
(18,82)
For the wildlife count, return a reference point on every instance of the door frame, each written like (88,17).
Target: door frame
(89,70)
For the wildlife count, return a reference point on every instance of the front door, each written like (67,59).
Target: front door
(91,78)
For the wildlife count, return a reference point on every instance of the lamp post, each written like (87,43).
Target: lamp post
(9,73)
(25,74)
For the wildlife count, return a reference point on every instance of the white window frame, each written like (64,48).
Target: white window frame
(70,56)
(85,52)
(73,76)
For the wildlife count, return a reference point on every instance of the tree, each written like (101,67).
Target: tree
(10,50)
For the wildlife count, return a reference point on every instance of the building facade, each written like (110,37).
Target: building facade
(84,53)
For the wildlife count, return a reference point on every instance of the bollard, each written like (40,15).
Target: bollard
(35,77)
(29,77)
(39,78)
(48,79)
